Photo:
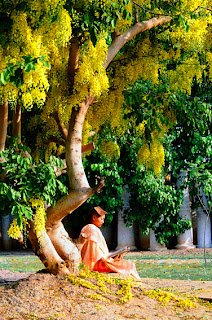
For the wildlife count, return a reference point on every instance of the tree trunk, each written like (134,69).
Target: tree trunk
(44,249)
(6,241)
(16,126)
(56,249)
(3,124)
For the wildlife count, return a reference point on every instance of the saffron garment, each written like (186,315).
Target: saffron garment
(95,248)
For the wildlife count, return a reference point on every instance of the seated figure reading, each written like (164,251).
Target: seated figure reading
(94,251)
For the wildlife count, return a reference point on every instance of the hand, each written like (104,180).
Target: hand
(118,257)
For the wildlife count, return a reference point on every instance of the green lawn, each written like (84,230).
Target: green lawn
(149,266)
(20,263)
(159,256)
(175,269)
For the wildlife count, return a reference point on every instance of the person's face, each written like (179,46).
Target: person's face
(98,220)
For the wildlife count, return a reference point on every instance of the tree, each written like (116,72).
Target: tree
(95,49)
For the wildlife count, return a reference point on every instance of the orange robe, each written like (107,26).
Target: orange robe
(96,248)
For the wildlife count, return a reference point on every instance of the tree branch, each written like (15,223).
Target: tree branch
(68,203)
(73,59)
(75,170)
(139,27)
(88,147)
(62,128)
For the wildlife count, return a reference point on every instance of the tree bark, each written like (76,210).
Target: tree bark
(65,247)
(16,124)
(46,252)
(3,124)
(73,59)
(139,27)
(75,170)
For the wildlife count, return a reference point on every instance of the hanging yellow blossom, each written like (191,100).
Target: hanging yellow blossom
(141,128)
(39,217)
(110,149)
(14,230)
(144,154)
(152,156)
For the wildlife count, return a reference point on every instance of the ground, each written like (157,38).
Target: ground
(44,296)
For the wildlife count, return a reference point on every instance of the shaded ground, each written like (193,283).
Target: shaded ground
(44,296)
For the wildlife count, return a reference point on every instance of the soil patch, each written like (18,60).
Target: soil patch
(44,296)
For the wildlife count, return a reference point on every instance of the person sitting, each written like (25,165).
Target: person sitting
(95,253)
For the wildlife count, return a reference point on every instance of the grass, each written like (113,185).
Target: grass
(20,263)
(175,269)
(158,256)
(149,266)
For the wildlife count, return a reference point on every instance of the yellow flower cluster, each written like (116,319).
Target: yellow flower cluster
(86,132)
(10,92)
(110,108)
(28,41)
(192,5)
(45,10)
(123,24)
(96,296)
(140,129)
(110,149)
(25,42)
(125,286)
(157,156)
(145,62)
(153,155)
(186,73)
(51,149)
(209,59)
(144,154)
(91,78)
(125,290)
(39,217)
(81,282)
(185,303)
(14,230)
(165,297)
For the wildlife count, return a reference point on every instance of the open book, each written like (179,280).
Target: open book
(117,252)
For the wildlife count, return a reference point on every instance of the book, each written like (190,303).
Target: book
(117,252)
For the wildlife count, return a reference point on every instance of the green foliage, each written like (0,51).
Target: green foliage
(200,182)
(22,178)
(144,100)
(96,18)
(154,204)
(191,146)
(14,72)
(110,198)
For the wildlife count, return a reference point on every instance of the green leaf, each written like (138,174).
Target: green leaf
(4,77)
(124,14)
(29,67)
(47,64)
(27,59)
